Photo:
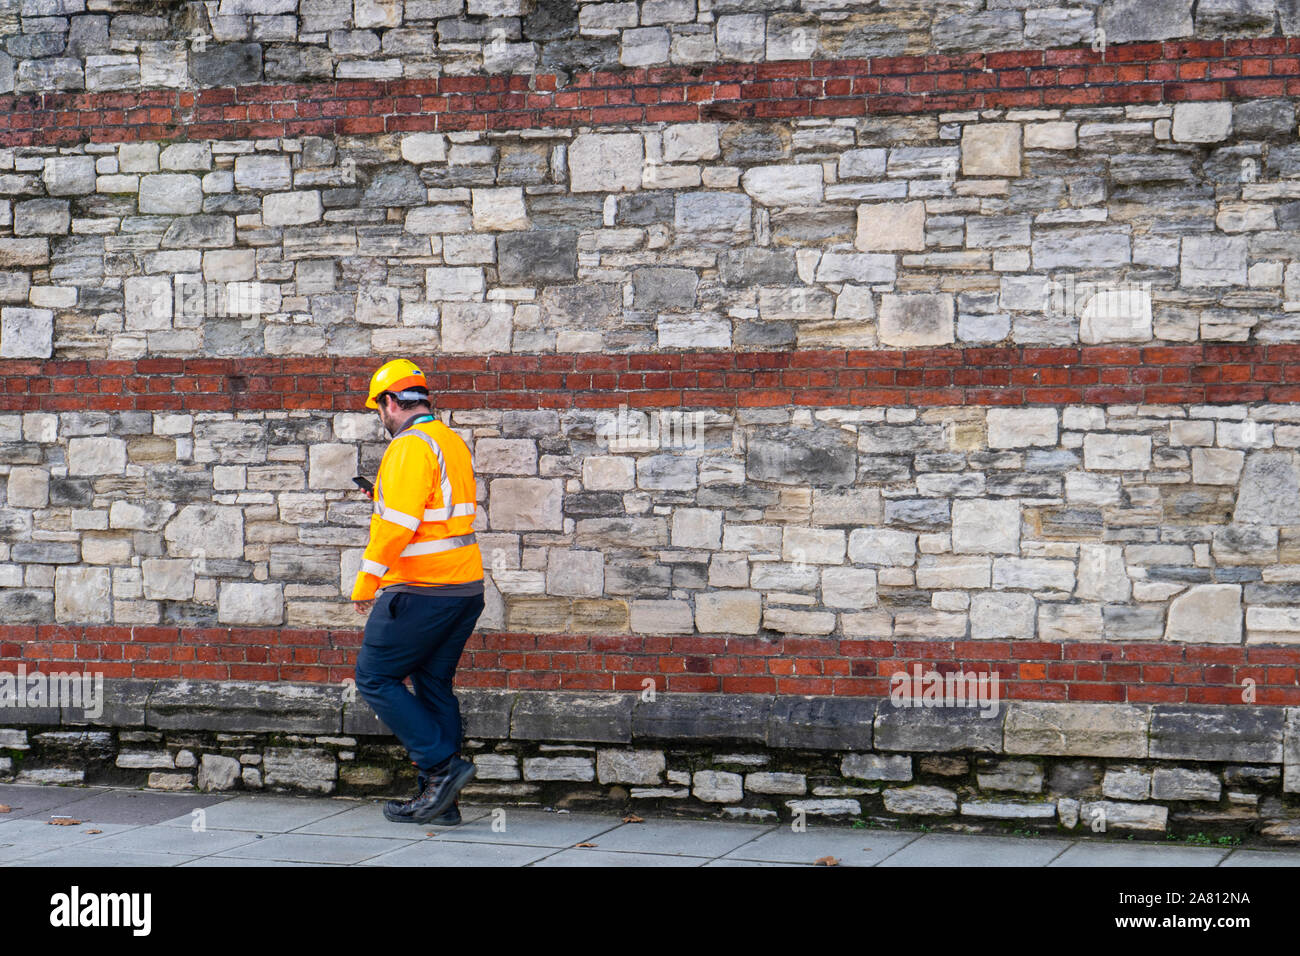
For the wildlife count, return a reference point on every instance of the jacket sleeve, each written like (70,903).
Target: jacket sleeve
(406,475)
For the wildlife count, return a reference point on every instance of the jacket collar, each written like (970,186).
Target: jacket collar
(414,419)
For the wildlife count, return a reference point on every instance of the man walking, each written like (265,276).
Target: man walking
(425,564)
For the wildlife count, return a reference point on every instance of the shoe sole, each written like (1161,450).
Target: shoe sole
(462,777)
(438,823)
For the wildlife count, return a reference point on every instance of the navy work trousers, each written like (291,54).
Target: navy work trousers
(411,635)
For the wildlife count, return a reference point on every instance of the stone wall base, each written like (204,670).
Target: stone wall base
(1159,772)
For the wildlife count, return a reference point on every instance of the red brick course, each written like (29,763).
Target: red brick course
(1140,673)
(1130,73)
(1016,375)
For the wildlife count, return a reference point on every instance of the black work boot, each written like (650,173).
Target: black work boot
(438,794)
(398,811)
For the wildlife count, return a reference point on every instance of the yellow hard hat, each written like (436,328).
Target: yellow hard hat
(395,376)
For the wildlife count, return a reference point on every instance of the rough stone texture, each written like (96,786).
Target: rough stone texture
(1093,730)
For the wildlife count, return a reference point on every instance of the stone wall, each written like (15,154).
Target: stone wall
(1176,771)
(964,333)
(103,45)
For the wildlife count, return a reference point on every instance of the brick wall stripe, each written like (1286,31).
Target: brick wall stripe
(1203,373)
(1139,673)
(1125,74)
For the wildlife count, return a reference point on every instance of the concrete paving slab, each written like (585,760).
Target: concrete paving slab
(139,807)
(174,840)
(369,820)
(36,832)
(953,849)
(733,864)
(25,800)
(850,847)
(682,837)
(535,828)
(1262,858)
(441,852)
(587,857)
(1138,854)
(314,848)
(264,814)
(227,861)
(79,856)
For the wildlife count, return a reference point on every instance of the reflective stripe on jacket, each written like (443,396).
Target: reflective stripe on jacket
(421,531)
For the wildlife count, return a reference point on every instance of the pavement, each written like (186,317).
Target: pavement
(121,827)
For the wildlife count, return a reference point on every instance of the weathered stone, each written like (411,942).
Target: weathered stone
(1198,122)
(876,767)
(1238,733)
(1177,783)
(920,801)
(1269,492)
(916,320)
(218,773)
(713,786)
(537,256)
(606,162)
(559,768)
(784,185)
(990,149)
(1127,20)
(1093,730)
(1208,613)
(307,768)
(938,729)
(985,527)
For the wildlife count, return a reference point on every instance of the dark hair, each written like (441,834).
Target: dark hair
(406,404)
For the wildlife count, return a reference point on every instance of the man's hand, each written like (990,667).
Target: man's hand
(363,607)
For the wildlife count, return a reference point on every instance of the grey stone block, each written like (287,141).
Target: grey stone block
(125,703)
(703,717)
(821,723)
(1208,732)
(256,707)
(538,255)
(938,728)
(227,64)
(599,718)
(486,713)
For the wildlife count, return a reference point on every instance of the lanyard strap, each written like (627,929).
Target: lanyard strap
(417,420)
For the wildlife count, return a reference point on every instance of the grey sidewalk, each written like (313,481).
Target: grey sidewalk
(138,828)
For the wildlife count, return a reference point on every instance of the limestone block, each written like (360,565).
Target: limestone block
(26,333)
(171,194)
(250,604)
(990,149)
(82,595)
(606,162)
(728,612)
(1207,613)
(1109,452)
(916,319)
(526,504)
(791,185)
(1084,730)
(499,209)
(985,526)
(891,227)
(1202,122)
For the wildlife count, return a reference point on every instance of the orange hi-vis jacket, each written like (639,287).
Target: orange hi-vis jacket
(421,529)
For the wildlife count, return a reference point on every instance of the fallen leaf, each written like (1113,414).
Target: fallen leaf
(827,861)
(65,822)
(633,818)
(584,844)
(94,831)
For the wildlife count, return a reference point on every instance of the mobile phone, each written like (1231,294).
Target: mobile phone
(365,484)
